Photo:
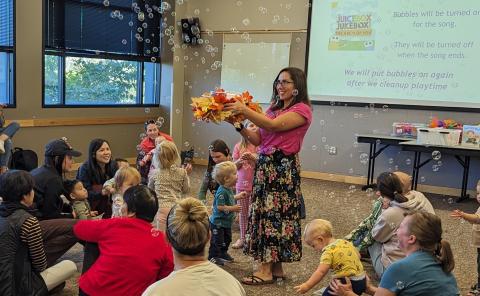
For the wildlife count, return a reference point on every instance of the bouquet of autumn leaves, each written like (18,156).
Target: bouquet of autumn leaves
(209,107)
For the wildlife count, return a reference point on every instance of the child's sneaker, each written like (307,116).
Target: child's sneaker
(217,261)
(227,257)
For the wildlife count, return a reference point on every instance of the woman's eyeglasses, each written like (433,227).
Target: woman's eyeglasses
(282,82)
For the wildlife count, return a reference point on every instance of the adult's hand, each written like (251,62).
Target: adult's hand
(237,108)
(337,288)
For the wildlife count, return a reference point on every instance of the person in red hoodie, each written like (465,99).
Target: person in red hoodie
(133,255)
(146,146)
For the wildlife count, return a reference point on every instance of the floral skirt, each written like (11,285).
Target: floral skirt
(274,231)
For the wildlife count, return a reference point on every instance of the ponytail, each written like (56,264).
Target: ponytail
(391,187)
(444,255)
(427,229)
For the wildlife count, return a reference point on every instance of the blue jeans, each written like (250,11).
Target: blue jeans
(9,130)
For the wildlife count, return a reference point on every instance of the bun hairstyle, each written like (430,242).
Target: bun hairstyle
(391,187)
(188,227)
(427,229)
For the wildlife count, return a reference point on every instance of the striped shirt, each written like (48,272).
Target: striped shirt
(31,234)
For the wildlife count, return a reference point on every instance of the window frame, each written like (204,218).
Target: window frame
(12,77)
(95,55)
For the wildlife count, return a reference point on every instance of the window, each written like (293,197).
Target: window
(102,52)
(6,52)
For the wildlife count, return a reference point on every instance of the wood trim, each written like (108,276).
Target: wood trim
(46,122)
(362,181)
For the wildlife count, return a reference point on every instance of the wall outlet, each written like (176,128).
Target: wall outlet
(332,150)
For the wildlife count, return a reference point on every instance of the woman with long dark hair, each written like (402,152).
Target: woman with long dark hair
(94,172)
(49,180)
(274,230)
(218,152)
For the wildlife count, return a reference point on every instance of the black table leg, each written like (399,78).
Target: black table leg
(466,167)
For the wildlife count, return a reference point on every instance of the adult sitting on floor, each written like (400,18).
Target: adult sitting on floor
(427,269)
(23,262)
(133,255)
(49,180)
(188,232)
(385,250)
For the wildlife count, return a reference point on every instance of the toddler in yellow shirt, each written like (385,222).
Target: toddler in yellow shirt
(338,255)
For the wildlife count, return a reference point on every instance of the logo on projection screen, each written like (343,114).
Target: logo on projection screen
(352,32)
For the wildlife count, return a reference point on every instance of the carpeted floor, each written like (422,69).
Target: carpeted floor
(345,205)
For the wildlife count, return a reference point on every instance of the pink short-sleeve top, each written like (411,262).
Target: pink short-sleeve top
(289,142)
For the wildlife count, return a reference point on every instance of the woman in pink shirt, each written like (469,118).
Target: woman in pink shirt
(274,230)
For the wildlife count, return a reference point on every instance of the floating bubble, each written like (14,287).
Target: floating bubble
(422,179)
(106,3)
(298,39)
(314,147)
(364,158)
(155,232)
(141,16)
(400,285)
(435,168)
(147,110)
(332,111)
(385,108)
(286,20)
(355,144)
(150,15)
(378,142)
(322,122)
(124,41)
(436,155)
(350,170)
(390,160)
(408,161)
(239,3)
(139,148)
(179,2)
(295,92)
(324,139)
(196,11)
(178,111)
(186,144)
(153,59)
(144,25)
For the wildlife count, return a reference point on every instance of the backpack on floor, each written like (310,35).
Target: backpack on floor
(24,159)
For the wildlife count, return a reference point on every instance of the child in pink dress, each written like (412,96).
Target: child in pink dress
(245,157)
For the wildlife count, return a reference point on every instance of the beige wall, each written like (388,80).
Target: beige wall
(123,137)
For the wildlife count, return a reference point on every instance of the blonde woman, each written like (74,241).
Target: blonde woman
(188,233)
(170,181)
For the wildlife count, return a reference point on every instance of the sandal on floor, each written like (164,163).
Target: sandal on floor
(253,280)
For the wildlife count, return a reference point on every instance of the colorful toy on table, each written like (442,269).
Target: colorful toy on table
(446,123)
(209,107)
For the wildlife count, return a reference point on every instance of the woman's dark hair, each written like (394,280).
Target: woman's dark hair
(427,229)
(188,227)
(390,187)
(216,146)
(15,184)
(142,201)
(95,173)
(150,121)
(55,162)
(299,82)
